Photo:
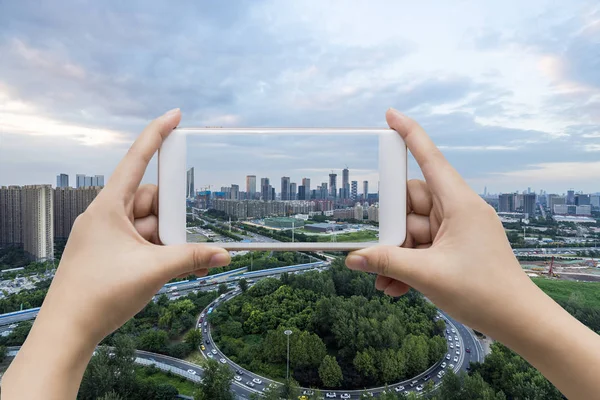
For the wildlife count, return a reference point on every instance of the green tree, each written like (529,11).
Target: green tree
(216,382)
(194,338)
(112,395)
(222,289)
(153,340)
(243,283)
(330,372)
(365,364)
(3,353)
(290,389)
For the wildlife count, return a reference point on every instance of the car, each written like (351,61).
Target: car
(303,397)
(223,361)
(202,347)
(457,345)
(443,365)
(209,355)
(447,331)
(457,352)
(468,350)
(345,396)
(308,392)
(451,366)
(330,395)
(426,378)
(237,378)
(204,330)
(12,326)
(456,338)
(455,359)
(205,323)
(191,371)
(413,383)
(447,356)
(419,388)
(453,330)
(449,338)
(239,372)
(399,388)
(207,341)
(451,344)
(250,383)
(257,381)
(214,351)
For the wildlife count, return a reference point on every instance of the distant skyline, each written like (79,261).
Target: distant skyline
(509,90)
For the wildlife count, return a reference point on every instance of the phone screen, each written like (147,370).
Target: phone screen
(292,187)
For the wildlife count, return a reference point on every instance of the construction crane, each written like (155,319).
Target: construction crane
(551,273)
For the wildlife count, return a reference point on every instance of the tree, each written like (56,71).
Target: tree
(290,389)
(330,372)
(222,289)
(216,382)
(243,283)
(194,338)
(112,395)
(365,364)
(3,353)
(153,340)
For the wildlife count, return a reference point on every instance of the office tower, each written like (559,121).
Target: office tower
(595,201)
(359,212)
(11,218)
(190,191)
(68,204)
(98,180)
(38,221)
(324,191)
(302,192)
(251,186)
(62,180)
(365,189)
(285,188)
(582,200)
(554,200)
(293,191)
(345,183)
(272,190)
(570,197)
(306,184)
(313,193)
(506,202)
(485,191)
(88,181)
(354,191)
(265,191)
(79,180)
(235,192)
(529,204)
(333,185)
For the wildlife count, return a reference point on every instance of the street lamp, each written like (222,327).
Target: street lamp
(288,332)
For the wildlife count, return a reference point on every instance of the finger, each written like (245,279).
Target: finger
(418,229)
(145,202)
(128,174)
(405,265)
(201,273)
(396,289)
(147,227)
(419,197)
(439,174)
(187,258)
(381,282)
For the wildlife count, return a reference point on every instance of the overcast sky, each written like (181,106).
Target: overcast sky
(510,90)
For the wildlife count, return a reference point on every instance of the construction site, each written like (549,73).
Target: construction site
(564,268)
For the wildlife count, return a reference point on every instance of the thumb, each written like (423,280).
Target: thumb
(187,258)
(405,265)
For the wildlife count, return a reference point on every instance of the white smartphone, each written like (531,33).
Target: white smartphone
(288,189)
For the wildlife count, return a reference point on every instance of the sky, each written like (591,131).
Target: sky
(509,90)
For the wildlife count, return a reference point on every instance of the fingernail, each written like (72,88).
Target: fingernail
(219,260)
(172,112)
(356,262)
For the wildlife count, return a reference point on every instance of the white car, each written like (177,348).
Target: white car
(249,383)
(456,338)
(345,396)
(191,371)
(237,378)
(453,330)
(214,351)
(223,361)
(443,365)
(330,395)
(419,388)
(451,366)
(399,388)
(455,359)
(457,345)
(209,355)
(451,345)
(457,352)
(447,356)
(257,381)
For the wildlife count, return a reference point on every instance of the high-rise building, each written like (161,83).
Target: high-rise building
(293,191)
(333,185)
(345,183)
(529,204)
(38,222)
(285,188)
(570,197)
(302,192)
(251,186)
(306,184)
(62,180)
(365,189)
(80,180)
(190,190)
(97,180)
(272,189)
(354,191)
(11,216)
(582,200)
(554,200)
(235,192)
(359,212)
(506,202)
(68,204)
(595,201)
(265,189)
(89,181)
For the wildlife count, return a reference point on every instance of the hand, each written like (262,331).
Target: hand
(110,269)
(456,252)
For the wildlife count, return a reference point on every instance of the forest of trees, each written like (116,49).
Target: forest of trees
(346,334)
